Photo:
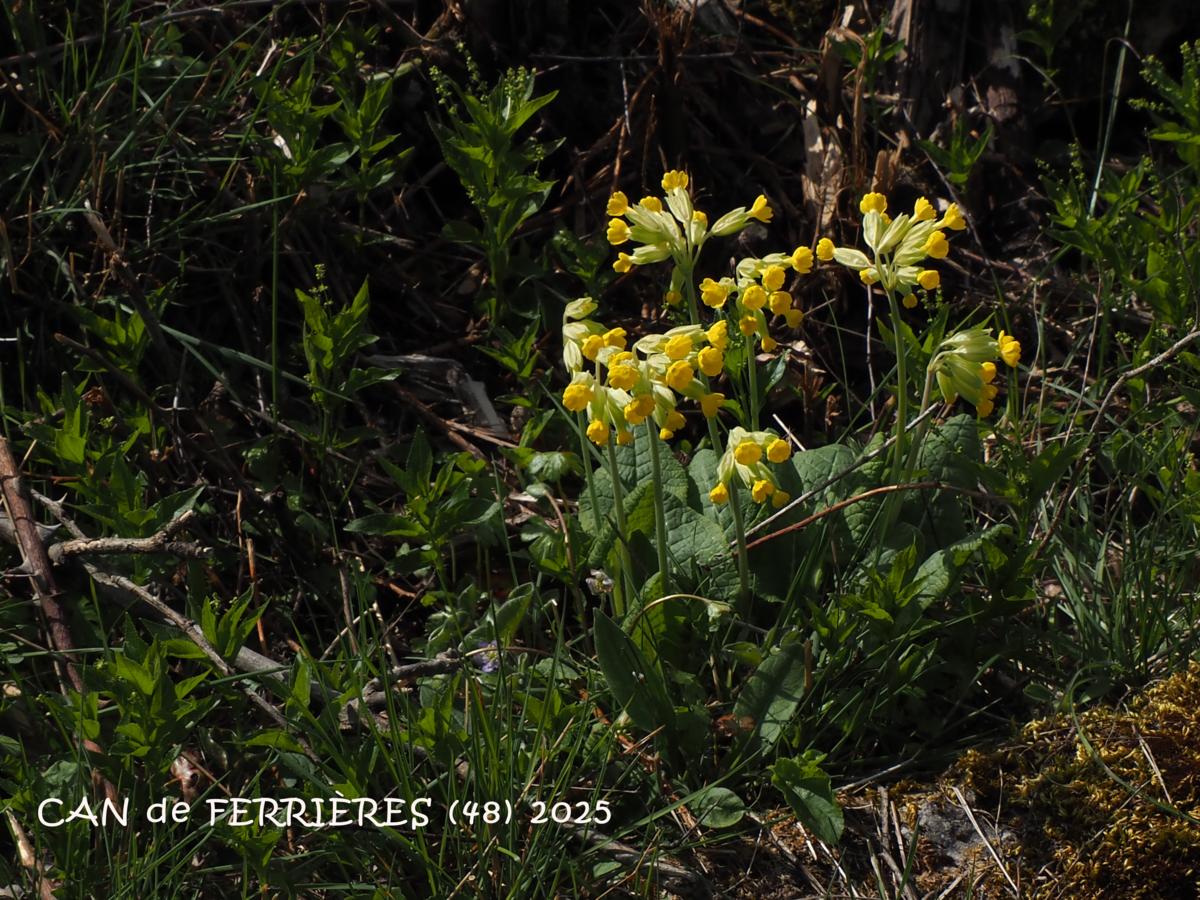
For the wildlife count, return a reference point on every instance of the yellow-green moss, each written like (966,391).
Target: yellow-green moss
(1084,834)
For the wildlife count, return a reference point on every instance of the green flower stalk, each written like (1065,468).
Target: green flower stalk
(898,247)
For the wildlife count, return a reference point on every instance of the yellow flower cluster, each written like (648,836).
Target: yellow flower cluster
(626,388)
(899,246)
(964,364)
(759,289)
(745,458)
(677,231)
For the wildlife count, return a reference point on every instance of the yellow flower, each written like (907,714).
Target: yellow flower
(747,453)
(719,494)
(923,211)
(674,179)
(762,490)
(1010,349)
(597,433)
(622,376)
(928,279)
(713,293)
(772,278)
(780,302)
(952,218)
(872,202)
(623,263)
(618,232)
(624,437)
(637,409)
(673,298)
(678,347)
(778,451)
(748,325)
(700,218)
(592,346)
(936,245)
(769,343)
(754,297)
(711,361)
(868,276)
(825,249)
(802,260)
(577,396)
(651,203)
(779,498)
(910,301)
(711,403)
(760,210)
(718,334)
(618,204)
(985,407)
(987,372)
(679,375)
(794,317)
(615,337)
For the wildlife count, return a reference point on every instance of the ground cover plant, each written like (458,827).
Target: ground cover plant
(563,450)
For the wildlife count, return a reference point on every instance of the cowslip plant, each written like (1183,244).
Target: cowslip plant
(615,389)
(900,249)
(963,364)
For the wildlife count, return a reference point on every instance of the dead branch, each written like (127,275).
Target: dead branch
(161,542)
(37,565)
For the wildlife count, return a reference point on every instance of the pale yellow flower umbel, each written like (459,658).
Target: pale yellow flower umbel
(753,297)
(953,219)
(623,371)
(680,375)
(711,361)
(578,394)
(872,202)
(618,232)
(897,246)
(761,210)
(745,459)
(773,277)
(718,334)
(710,404)
(639,409)
(964,366)
(606,412)
(713,294)
(674,179)
(578,332)
(1010,349)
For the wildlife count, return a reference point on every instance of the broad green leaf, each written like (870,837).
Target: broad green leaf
(636,685)
(692,539)
(134,673)
(771,696)
(635,466)
(718,807)
(810,795)
(939,573)
(950,451)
